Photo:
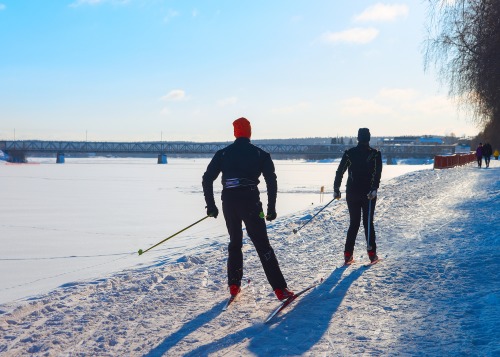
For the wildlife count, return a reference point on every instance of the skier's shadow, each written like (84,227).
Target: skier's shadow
(185,330)
(319,306)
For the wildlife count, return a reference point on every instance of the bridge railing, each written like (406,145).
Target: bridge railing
(157,147)
(319,150)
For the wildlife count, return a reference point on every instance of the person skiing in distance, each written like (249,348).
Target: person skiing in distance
(364,166)
(241,164)
(479,154)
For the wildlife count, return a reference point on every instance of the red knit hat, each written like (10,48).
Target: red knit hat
(242,128)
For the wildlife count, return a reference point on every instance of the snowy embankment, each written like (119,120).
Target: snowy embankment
(436,292)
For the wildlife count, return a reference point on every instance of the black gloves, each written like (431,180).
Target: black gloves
(336,194)
(271,210)
(271,215)
(372,194)
(212,210)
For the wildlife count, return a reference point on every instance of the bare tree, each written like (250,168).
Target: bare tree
(464,44)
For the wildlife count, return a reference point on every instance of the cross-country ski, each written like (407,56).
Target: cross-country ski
(287,302)
(234,297)
(373,262)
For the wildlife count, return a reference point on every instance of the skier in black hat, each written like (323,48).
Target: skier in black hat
(364,165)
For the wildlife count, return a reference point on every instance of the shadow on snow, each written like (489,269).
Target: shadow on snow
(304,324)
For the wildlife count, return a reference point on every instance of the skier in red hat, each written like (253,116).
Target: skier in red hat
(241,164)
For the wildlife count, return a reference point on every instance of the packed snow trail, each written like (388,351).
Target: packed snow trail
(436,292)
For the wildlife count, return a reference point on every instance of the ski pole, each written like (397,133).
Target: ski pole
(295,230)
(368,246)
(173,235)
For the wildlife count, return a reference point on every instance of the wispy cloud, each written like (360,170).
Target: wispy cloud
(165,111)
(170,15)
(360,107)
(227,101)
(78,3)
(85,2)
(2,7)
(382,12)
(175,95)
(398,94)
(295,108)
(355,35)
(397,103)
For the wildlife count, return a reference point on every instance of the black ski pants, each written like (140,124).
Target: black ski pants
(243,205)
(487,159)
(358,204)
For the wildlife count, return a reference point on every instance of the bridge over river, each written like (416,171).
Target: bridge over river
(19,150)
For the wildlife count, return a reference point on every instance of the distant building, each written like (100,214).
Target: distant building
(413,140)
(401,140)
(430,140)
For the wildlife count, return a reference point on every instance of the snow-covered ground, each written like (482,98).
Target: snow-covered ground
(436,292)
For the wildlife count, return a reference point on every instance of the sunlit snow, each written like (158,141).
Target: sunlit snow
(72,282)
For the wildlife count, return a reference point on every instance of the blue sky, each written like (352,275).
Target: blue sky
(184,70)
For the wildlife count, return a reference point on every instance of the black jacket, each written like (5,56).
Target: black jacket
(364,165)
(487,150)
(241,164)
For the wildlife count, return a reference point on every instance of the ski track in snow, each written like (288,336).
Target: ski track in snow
(436,291)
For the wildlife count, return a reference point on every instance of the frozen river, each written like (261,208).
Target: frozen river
(87,218)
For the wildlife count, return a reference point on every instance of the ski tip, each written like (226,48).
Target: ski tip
(373,263)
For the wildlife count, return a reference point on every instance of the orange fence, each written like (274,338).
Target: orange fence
(445,162)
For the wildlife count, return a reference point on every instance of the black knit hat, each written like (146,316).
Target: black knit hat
(364,135)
